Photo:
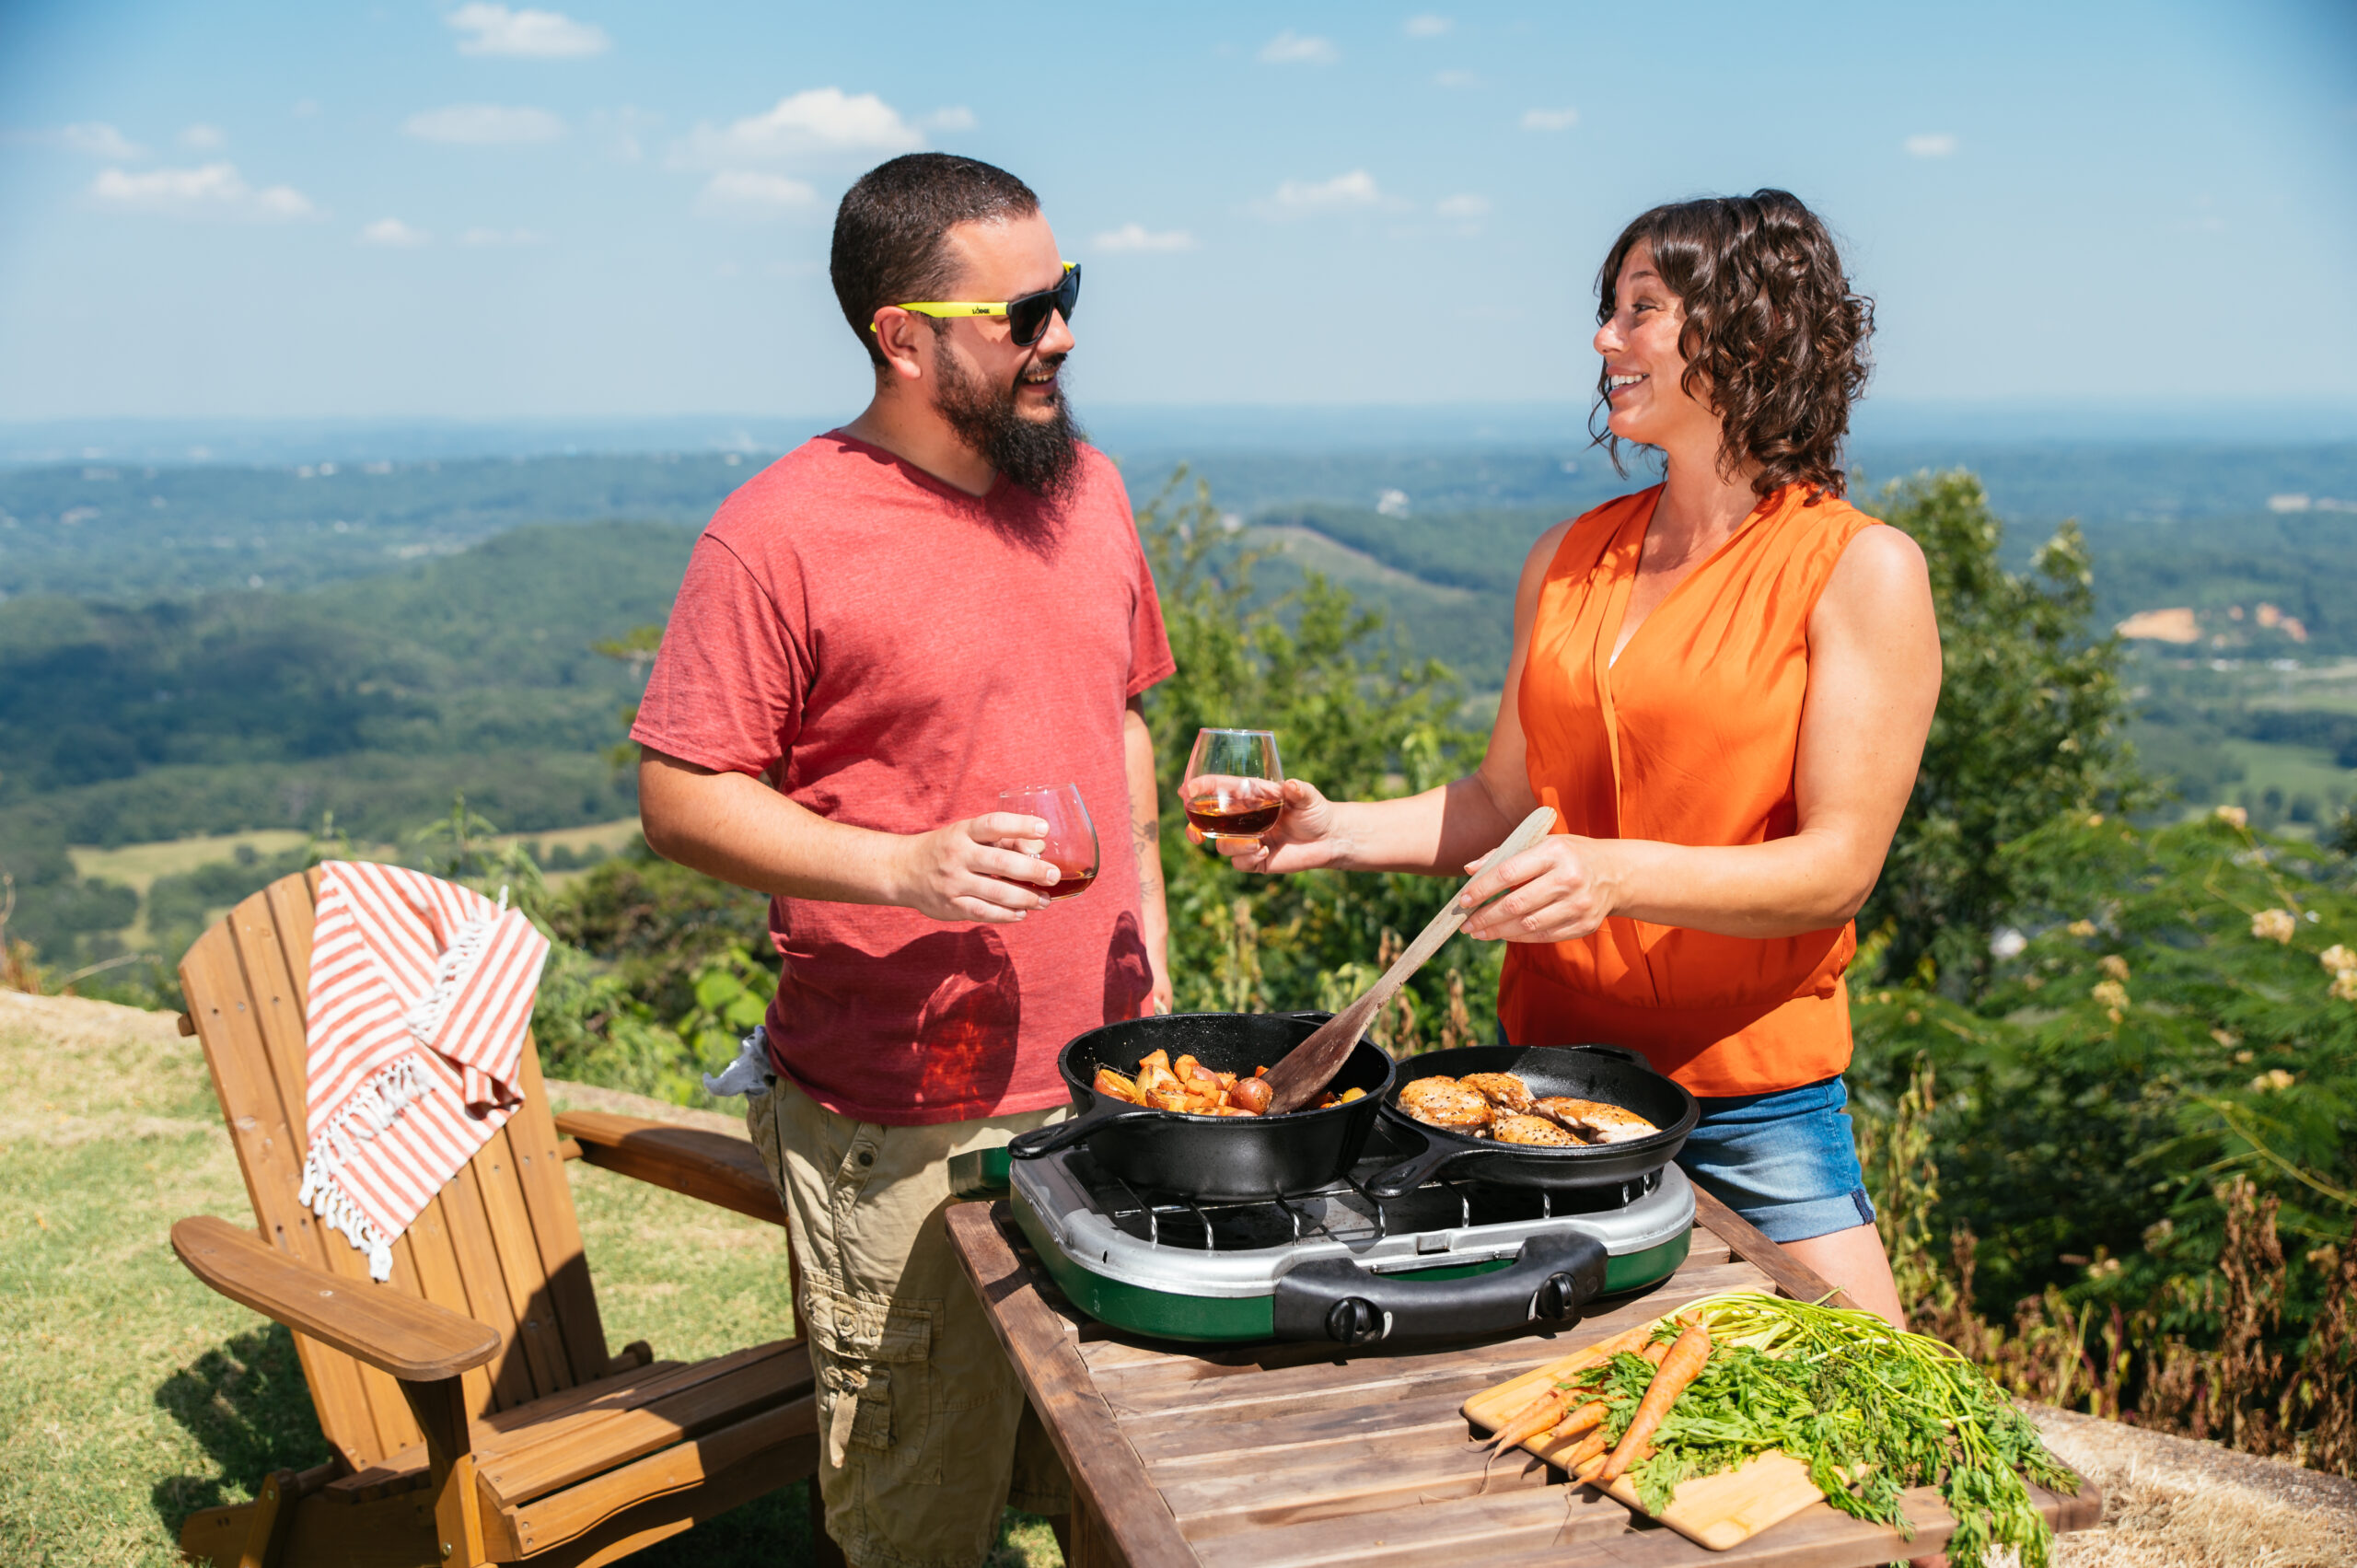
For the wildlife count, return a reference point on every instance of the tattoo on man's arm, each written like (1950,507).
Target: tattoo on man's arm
(1145,842)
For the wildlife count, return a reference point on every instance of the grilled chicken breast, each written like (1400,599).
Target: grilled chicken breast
(1446,1104)
(1501,1089)
(1594,1121)
(1512,1128)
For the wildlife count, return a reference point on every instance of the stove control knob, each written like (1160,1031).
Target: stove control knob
(1558,1299)
(1356,1321)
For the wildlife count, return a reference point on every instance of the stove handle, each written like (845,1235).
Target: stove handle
(1044,1141)
(1549,1281)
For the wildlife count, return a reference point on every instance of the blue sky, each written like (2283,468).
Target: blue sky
(618,208)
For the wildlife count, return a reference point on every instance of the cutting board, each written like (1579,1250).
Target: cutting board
(1717,1511)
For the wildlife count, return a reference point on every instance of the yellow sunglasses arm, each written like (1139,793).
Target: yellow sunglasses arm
(957,308)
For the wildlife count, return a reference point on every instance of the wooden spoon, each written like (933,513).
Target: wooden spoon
(1306,1070)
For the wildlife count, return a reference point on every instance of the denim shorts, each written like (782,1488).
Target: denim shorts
(1785,1161)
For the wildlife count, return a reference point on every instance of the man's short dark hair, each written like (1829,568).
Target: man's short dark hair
(892,231)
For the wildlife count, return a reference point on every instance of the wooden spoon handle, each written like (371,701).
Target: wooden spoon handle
(1452,915)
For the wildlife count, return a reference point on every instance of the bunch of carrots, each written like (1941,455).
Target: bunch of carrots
(1871,1411)
(1574,1402)
(1188,1086)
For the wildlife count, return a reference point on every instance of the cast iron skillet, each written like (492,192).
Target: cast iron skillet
(1602,1072)
(1223,1158)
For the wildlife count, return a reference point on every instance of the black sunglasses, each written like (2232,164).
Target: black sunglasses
(1026,317)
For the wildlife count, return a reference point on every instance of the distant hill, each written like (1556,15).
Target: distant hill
(130,532)
(243,709)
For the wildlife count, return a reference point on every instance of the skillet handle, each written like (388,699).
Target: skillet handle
(1042,1141)
(1412,1172)
(1622,1051)
(1549,1281)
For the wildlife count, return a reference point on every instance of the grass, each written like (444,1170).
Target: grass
(136,866)
(131,1395)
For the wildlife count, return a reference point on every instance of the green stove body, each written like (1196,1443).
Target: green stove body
(1411,1267)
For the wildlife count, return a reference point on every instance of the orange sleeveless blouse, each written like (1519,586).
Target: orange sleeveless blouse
(1689,738)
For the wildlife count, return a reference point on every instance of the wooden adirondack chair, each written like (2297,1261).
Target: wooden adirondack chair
(475,1412)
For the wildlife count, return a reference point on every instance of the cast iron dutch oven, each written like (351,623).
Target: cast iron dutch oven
(1604,1072)
(1220,1159)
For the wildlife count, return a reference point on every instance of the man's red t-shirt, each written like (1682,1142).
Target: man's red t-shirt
(891,653)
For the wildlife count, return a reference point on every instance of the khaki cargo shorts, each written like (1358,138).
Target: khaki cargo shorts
(923,1431)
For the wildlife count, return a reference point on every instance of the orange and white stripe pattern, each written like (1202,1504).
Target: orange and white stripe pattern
(420,1000)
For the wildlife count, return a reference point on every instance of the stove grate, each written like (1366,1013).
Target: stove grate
(1343,1210)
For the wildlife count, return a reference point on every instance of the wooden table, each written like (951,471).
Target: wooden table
(1261,1455)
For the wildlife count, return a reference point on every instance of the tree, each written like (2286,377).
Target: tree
(2029,730)
(1353,713)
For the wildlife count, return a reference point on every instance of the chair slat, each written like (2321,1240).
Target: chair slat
(270,1158)
(486,1285)
(435,1262)
(496,1178)
(548,1196)
(255,926)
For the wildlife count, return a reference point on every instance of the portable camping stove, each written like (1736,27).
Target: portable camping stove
(1451,1260)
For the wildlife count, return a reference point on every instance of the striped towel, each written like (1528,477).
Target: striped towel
(421,994)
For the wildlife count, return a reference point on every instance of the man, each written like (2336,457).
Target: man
(944,599)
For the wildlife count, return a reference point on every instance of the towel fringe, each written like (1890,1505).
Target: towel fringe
(374,1107)
(425,1020)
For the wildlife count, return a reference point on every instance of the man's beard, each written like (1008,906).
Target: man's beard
(1041,455)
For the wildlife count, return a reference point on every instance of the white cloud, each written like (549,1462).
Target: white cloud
(1296,198)
(818,120)
(529,34)
(1458,80)
(1550,118)
(1137,237)
(204,138)
(484,124)
(959,117)
(1289,48)
(487,236)
(93,137)
(1425,26)
(752,193)
(393,234)
(1465,206)
(1935,143)
(216,190)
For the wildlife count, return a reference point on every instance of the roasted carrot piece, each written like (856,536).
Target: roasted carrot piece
(1678,1368)
(1111,1082)
(1251,1094)
(1185,1068)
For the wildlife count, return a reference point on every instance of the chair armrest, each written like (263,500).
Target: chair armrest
(713,1166)
(414,1340)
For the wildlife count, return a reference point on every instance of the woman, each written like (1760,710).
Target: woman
(1722,684)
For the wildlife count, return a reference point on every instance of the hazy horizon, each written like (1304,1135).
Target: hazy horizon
(1155,429)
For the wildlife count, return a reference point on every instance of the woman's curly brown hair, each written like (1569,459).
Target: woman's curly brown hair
(1775,339)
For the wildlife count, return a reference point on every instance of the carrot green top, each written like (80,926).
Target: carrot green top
(1689,738)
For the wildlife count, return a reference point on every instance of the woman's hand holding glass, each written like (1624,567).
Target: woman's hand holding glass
(1302,838)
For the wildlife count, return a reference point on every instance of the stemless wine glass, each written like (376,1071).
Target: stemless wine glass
(1071,843)
(1234,785)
